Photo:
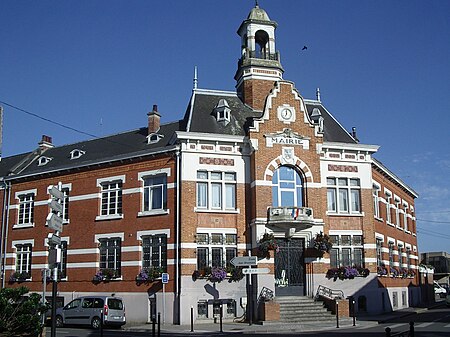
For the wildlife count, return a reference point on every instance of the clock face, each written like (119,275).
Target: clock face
(286,113)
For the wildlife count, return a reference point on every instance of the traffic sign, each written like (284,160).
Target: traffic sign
(53,239)
(255,270)
(55,205)
(54,222)
(165,278)
(56,193)
(240,261)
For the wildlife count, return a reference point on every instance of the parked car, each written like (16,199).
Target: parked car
(88,310)
(439,290)
(447,300)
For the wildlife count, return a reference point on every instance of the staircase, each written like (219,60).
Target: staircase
(301,309)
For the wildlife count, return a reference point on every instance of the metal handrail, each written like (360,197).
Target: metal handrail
(332,294)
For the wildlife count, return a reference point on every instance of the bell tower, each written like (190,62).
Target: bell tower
(259,66)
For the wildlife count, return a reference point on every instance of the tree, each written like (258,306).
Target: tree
(20,312)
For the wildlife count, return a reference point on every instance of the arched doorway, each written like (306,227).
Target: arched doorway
(287,191)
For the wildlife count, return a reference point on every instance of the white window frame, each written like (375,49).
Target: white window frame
(340,248)
(210,245)
(376,189)
(118,193)
(209,200)
(25,221)
(388,197)
(142,176)
(14,245)
(336,189)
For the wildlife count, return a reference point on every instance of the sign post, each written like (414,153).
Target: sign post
(55,222)
(165,280)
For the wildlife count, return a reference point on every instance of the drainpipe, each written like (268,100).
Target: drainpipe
(178,243)
(4,232)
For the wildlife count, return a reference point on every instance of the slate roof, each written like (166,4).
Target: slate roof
(100,150)
(201,113)
(199,118)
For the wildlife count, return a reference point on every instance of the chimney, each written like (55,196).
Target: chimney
(45,143)
(154,119)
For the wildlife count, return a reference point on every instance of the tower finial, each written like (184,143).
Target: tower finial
(195,78)
(318,94)
(256,4)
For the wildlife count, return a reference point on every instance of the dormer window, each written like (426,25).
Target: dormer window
(154,138)
(75,154)
(222,112)
(44,160)
(316,117)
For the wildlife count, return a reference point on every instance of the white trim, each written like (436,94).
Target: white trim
(31,191)
(370,260)
(82,265)
(166,171)
(188,245)
(379,236)
(22,242)
(108,236)
(370,246)
(109,217)
(154,212)
(82,251)
(189,261)
(202,230)
(140,234)
(100,181)
(84,197)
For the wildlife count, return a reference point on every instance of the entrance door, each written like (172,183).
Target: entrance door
(290,268)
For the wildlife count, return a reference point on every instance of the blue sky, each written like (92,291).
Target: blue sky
(99,66)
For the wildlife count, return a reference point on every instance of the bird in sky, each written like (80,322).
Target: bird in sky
(304,48)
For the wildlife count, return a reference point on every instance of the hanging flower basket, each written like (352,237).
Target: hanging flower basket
(346,273)
(105,275)
(19,277)
(266,244)
(148,275)
(322,243)
(382,271)
(218,274)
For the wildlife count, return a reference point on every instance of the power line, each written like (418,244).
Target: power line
(48,120)
(434,235)
(438,233)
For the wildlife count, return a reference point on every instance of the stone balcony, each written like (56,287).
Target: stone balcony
(290,217)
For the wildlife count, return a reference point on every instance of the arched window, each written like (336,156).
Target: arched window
(287,188)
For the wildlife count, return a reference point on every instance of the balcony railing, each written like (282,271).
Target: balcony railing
(290,214)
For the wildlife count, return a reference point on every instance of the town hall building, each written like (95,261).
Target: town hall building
(258,172)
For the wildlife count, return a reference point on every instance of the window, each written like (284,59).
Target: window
(376,201)
(202,309)
(110,251)
(155,192)
(400,255)
(405,217)
(391,254)
(216,190)
(215,249)
(23,259)
(65,202)
(408,258)
(397,212)
(344,195)
(379,245)
(388,207)
(347,251)
(111,198)
(26,209)
(75,154)
(44,160)
(154,252)
(287,188)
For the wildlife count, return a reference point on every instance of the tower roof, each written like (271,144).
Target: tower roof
(258,14)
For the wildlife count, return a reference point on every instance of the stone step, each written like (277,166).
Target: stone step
(302,309)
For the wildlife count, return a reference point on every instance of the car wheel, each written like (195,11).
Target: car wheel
(96,323)
(59,322)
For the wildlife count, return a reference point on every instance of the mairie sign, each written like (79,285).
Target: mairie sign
(240,261)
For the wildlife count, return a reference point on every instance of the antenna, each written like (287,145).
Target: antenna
(195,78)
(318,94)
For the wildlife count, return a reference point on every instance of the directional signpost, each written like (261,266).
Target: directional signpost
(241,261)
(255,271)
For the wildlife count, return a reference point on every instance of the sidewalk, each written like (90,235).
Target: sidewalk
(268,327)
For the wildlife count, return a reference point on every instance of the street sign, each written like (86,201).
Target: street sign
(56,193)
(53,239)
(165,278)
(55,205)
(240,261)
(255,270)
(54,222)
